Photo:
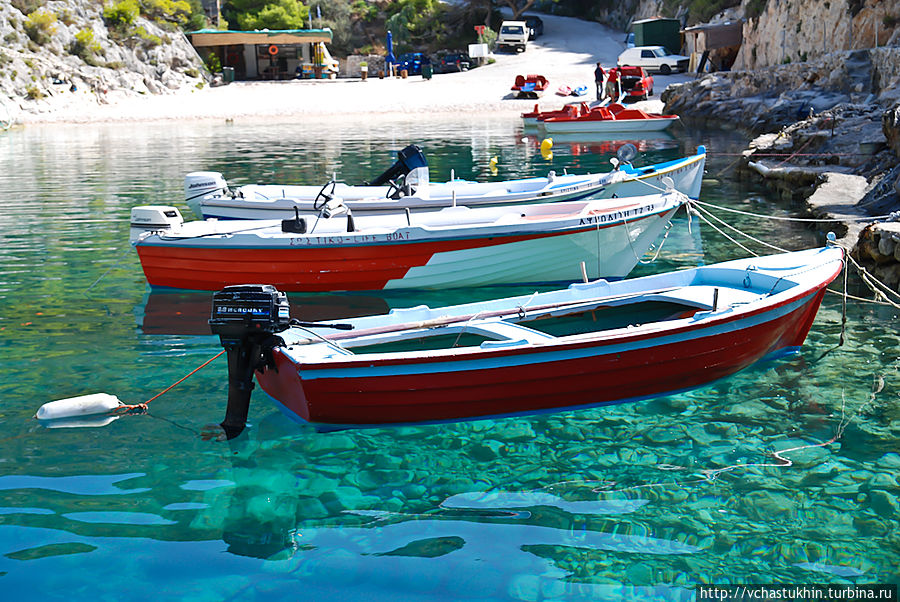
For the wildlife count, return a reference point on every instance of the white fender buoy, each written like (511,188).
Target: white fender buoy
(84,405)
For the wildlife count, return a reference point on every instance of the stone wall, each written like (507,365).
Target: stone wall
(350,67)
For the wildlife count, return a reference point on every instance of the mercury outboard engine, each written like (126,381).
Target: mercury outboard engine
(409,159)
(247,318)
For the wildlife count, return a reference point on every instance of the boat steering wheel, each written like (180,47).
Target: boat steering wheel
(323,197)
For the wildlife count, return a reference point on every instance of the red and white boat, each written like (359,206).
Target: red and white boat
(590,344)
(609,119)
(614,118)
(453,247)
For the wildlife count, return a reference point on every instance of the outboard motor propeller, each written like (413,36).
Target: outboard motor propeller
(408,159)
(247,318)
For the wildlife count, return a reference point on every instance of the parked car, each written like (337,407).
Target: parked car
(636,82)
(513,36)
(412,62)
(453,62)
(629,40)
(535,26)
(654,58)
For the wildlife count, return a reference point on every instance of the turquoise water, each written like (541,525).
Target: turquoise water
(640,501)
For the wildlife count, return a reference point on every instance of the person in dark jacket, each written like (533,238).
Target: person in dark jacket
(599,76)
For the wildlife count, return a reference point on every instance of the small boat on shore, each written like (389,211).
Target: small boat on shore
(209,196)
(453,247)
(590,344)
(529,86)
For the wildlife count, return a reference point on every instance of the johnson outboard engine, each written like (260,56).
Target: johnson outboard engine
(199,184)
(409,159)
(247,318)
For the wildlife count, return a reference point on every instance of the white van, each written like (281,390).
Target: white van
(514,35)
(655,58)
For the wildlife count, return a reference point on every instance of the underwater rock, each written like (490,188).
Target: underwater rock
(330,444)
(766,506)
(310,507)
(517,431)
(346,498)
(889,460)
(485,451)
(884,504)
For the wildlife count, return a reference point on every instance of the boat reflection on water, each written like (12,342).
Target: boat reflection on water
(585,143)
(180,312)
(187,312)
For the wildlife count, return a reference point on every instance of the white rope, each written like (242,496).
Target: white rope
(717,229)
(732,228)
(891,216)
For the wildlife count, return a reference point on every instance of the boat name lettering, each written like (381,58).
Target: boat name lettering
(315,241)
(617,215)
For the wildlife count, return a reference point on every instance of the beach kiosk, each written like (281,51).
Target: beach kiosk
(269,54)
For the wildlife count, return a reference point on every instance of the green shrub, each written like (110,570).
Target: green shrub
(66,17)
(26,7)
(40,25)
(11,38)
(192,72)
(34,93)
(122,14)
(173,11)
(148,38)
(86,47)
(213,63)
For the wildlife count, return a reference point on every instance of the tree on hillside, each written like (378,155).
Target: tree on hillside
(518,7)
(266,14)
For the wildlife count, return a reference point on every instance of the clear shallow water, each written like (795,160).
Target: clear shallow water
(640,501)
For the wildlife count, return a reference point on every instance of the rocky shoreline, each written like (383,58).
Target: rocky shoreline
(826,132)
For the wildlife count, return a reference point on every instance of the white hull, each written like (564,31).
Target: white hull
(612,125)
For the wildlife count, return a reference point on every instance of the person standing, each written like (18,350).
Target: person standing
(599,76)
(612,85)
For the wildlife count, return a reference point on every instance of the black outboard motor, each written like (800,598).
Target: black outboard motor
(247,317)
(408,159)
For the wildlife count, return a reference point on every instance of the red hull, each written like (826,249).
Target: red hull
(336,268)
(606,376)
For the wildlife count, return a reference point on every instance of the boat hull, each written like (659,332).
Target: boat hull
(655,124)
(360,262)
(536,380)
(616,366)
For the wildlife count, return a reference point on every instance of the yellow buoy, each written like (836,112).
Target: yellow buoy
(547,148)
(493,165)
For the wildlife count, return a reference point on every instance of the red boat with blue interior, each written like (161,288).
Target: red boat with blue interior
(590,344)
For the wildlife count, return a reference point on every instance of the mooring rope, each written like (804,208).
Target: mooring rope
(140,408)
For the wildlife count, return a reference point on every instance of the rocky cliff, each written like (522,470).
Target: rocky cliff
(790,31)
(60,51)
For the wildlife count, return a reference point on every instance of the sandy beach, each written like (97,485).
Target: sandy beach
(566,54)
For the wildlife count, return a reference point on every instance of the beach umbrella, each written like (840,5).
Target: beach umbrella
(390,48)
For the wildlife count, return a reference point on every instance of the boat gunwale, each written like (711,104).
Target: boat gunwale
(711,319)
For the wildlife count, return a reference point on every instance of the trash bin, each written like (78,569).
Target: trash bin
(427,71)
(228,74)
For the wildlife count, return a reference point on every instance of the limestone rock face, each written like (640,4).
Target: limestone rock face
(74,54)
(797,31)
